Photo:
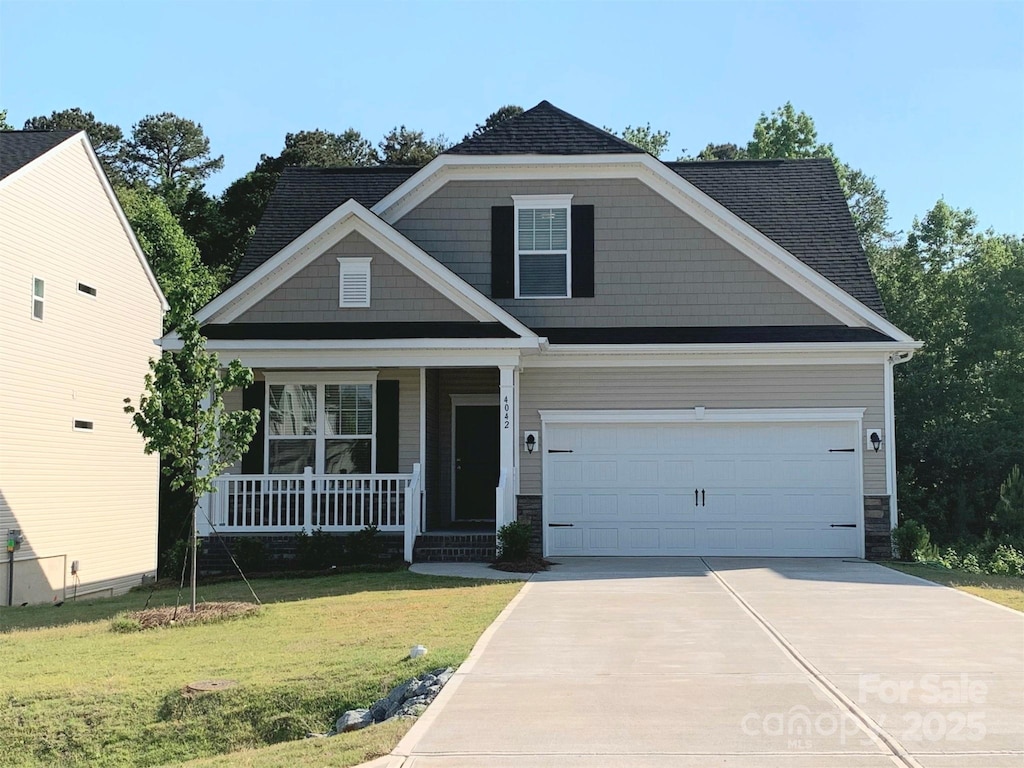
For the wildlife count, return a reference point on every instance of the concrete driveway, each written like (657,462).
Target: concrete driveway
(735,662)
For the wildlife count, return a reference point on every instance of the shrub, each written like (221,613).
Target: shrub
(909,538)
(173,558)
(1007,561)
(364,546)
(317,551)
(514,541)
(250,552)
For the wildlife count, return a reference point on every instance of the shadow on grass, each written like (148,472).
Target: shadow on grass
(269,590)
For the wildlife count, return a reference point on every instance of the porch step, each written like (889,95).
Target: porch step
(454,548)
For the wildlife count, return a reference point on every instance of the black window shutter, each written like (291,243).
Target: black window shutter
(254,396)
(582,251)
(387,426)
(502,252)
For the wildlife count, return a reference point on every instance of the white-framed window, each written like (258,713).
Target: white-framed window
(543,246)
(354,281)
(38,297)
(82,425)
(327,425)
(87,290)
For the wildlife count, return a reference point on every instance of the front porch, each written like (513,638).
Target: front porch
(424,453)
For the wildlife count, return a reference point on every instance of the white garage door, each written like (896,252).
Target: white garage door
(784,489)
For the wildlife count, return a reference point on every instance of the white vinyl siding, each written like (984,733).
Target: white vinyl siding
(354,282)
(543,246)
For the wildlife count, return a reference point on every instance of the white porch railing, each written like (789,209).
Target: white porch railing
(306,502)
(414,511)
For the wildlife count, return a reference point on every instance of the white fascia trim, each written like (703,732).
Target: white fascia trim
(334,227)
(384,358)
(83,139)
(173,342)
(661,179)
(719,415)
(655,355)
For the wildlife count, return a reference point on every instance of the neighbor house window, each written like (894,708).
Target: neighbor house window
(354,282)
(38,295)
(543,245)
(329,427)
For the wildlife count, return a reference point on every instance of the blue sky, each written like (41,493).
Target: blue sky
(926,97)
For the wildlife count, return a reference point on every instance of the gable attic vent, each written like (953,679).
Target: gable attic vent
(354,282)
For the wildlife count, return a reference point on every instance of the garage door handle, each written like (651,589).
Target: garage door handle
(559,450)
(696,497)
(702,497)
(842,450)
(843,525)
(559,525)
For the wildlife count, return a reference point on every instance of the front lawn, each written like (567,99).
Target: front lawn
(78,694)
(1005,590)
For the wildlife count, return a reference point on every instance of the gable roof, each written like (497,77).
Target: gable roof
(544,130)
(796,203)
(19,148)
(303,196)
(799,205)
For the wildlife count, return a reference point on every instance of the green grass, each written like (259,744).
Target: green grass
(78,694)
(1005,590)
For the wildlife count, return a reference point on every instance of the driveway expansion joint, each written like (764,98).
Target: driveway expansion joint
(873,729)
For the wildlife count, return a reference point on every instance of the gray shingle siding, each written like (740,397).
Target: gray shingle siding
(396,294)
(654,265)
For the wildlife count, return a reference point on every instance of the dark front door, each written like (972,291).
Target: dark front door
(476,461)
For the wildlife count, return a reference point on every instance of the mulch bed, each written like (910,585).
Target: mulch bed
(532,564)
(205,613)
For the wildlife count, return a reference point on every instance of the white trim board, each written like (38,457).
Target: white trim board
(656,175)
(700,414)
(342,221)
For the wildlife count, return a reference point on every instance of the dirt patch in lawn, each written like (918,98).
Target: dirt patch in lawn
(169,616)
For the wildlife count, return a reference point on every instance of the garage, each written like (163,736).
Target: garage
(784,483)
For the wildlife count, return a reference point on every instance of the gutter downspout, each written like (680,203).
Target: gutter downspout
(890,432)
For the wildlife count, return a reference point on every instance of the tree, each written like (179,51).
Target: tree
(170,154)
(187,283)
(223,241)
(403,146)
(959,410)
(181,415)
(644,137)
(499,115)
(106,138)
(325,149)
(4,125)
(720,152)
(786,133)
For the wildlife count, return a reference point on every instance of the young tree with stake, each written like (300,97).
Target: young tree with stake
(181,416)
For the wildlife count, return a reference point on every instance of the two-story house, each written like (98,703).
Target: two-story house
(548,324)
(80,317)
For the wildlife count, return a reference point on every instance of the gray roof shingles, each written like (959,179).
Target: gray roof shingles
(544,130)
(19,148)
(799,205)
(796,203)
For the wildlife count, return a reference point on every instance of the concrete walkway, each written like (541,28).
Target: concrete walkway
(752,663)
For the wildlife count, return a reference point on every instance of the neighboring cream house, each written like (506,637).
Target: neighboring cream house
(80,317)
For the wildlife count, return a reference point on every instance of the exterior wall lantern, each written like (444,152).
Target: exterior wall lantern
(530,442)
(874,439)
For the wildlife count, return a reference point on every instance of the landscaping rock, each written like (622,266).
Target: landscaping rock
(353,720)
(408,699)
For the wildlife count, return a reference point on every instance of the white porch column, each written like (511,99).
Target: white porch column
(507,440)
